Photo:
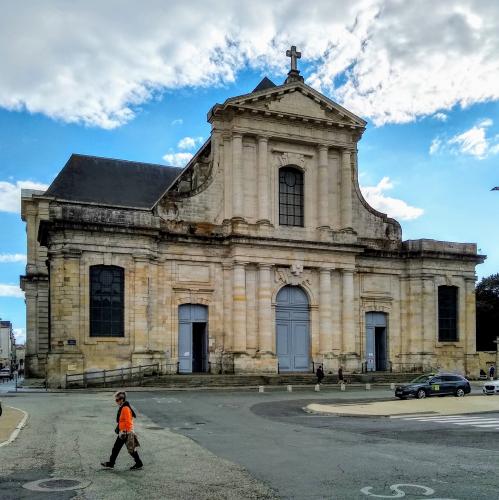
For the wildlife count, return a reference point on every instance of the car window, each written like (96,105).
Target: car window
(436,380)
(421,379)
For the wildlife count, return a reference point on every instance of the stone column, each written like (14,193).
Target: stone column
(239,307)
(325,332)
(32,240)
(346,190)
(140,334)
(265,344)
(347,318)
(263,181)
(237,188)
(323,205)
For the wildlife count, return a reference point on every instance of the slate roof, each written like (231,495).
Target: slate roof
(265,84)
(106,181)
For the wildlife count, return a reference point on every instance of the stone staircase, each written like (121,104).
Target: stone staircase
(190,381)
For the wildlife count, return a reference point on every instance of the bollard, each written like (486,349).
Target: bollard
(317,388)
(368,387)
(343,387)
(290,388)
(392,386)
(261,388)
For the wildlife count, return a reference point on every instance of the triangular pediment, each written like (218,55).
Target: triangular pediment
(296,99)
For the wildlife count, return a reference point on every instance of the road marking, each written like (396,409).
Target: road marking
(481,422)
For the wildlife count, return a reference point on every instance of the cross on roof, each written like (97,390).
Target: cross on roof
(294,56)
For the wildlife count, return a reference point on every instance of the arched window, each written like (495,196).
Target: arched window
(107,286)
(447,314)
(290,197)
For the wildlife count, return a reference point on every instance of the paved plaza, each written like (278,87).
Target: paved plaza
(242,444)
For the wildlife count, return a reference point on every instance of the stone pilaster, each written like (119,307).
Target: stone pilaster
(265,336)
(347,316)
(239,307)
(323,188)
(237,177)
(346,189)
(336,337)
(325,331)
(227,304)
(263,181)
(429,317)
(472,362)
(251,312)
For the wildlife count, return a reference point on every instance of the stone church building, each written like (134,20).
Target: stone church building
(260,256)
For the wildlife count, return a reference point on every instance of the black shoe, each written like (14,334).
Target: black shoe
(107,465)
(137,466)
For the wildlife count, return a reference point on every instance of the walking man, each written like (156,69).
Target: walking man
(320,374)
(492,372)
(126,435)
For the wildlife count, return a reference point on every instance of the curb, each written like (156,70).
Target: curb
(18,428)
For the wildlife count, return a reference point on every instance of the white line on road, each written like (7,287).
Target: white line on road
(18,428)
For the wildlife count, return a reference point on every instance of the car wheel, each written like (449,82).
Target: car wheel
(459,392)
(421,394)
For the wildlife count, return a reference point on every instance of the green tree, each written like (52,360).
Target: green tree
(487,313)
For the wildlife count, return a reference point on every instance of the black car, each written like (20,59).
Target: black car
(440,384)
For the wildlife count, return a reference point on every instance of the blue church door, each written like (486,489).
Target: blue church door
(292,330)
(376,341)
(193,338)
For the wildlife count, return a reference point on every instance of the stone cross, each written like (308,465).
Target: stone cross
(294,56)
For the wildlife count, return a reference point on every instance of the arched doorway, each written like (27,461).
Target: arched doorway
(192,338)
(376,341)
(292,329)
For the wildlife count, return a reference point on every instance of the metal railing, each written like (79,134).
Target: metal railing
(130,375)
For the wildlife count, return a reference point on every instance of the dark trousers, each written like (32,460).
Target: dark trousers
(118,444)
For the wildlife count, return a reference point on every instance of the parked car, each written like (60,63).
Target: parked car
(440,384)
(5,373)
(491,387)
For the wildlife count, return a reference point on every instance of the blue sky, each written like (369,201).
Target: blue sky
(429,155)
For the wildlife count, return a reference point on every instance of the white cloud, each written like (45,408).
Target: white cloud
(441,117)
(398,209)
(177,121)
(189,142)
(96,62)
(435,145)
(177,159)
(474,142)
(20,335)
(11,291)
(12,257)
(10,194)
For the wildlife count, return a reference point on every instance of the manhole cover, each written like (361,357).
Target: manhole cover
(56,484)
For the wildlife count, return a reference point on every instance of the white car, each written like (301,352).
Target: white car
(491,387)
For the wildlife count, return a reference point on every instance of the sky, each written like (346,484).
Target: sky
(135,80)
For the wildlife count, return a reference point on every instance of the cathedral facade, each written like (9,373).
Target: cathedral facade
(260,256)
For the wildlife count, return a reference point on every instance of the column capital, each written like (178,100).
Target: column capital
(323,147)
(264,265)
(263,138)
(237,135)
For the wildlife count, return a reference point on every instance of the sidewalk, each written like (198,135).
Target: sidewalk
(438,406)
(10,420)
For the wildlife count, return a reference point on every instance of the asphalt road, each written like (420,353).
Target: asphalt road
(307,456)
(238,445)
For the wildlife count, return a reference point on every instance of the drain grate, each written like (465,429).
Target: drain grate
(56,484)
(154,428)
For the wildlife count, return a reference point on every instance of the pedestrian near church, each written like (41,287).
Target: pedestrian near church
(340,375)
(320,374)
(125,431)
(492,372)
